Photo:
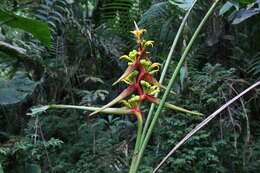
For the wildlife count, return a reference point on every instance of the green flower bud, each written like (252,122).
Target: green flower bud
(142,61)
(134,99)
(146,63)
(145,84)
(133,54)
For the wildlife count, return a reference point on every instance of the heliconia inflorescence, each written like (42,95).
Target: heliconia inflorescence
(139,77)
(142,86)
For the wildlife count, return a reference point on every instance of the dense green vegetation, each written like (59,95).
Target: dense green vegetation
(67,52)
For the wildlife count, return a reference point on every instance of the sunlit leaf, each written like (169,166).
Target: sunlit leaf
(227,6)
(183,4)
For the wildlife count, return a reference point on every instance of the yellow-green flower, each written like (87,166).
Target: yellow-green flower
(148,88)
(133,102)
(131,78)
(150,67)
(148,43)
(131,57)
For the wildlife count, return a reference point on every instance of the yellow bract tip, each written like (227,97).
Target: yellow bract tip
(138,33)
(125,57)
(154,65)
(126,103)
(154,92)
(148,43)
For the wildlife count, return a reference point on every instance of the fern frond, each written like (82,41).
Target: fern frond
(254,67)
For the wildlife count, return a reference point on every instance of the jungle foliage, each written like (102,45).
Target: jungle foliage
(67,52)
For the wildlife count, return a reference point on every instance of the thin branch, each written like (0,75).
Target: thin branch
(205,122)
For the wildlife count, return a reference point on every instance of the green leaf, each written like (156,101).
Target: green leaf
(242,15)
(183,73)
(246,1)
(183,4)
(227,6)
(16,90)
(32,168)
(38,29)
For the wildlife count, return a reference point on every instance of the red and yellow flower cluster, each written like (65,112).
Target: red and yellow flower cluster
(139,77)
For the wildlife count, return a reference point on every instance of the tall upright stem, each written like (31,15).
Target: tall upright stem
(137,143)
(173,78)
(168,60)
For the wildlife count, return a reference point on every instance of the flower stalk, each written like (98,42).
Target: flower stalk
(172,80)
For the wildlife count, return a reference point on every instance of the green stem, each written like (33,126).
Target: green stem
(139,133)
(118,111)
(173,78)
(137,143)
(165,68)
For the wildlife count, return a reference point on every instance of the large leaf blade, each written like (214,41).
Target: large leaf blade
(38,29)
(16,90)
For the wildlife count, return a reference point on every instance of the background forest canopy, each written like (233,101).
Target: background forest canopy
(67,52)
